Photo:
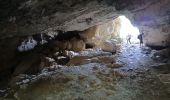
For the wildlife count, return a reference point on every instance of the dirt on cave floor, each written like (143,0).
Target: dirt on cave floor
(136,80)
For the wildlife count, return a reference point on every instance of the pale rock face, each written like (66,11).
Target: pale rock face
(89,33)
(154,22)
(156,36)
(101,36)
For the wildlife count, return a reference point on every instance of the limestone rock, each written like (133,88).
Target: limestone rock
(89,33)
(108,46)
(77,45)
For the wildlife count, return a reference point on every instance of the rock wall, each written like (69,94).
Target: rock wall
(27,17)
(103,36)
(154,21)
(107,31)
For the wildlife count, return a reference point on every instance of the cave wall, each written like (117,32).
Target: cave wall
(107,31)
(154,21)
(27,17)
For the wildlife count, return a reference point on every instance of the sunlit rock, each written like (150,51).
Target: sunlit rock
(89,33)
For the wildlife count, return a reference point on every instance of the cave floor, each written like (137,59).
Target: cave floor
(143,81)
(136,80)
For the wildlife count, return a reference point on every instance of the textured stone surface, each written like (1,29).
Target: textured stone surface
(28,17)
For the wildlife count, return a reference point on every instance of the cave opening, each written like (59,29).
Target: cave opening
(128,29)
(78,50)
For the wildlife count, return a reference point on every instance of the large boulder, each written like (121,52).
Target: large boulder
(77,45)
(108,46)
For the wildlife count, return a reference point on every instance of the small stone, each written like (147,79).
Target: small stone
(25,81)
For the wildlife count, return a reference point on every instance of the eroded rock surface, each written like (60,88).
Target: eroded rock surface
(33,16)
(27,17)
(20,18)
(98,80)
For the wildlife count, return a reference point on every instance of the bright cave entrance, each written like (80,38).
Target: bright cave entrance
(127,29)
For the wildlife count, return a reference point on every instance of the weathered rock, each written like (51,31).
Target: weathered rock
(28,17)
(106,59)
(89,33)
(108,46)
(25,15)
(77,45)
(147,50)
(94,53)
(161,55)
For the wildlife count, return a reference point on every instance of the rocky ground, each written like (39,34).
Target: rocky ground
(130,74)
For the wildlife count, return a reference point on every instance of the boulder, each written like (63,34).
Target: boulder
(160,55)
(77,45)
(108,46)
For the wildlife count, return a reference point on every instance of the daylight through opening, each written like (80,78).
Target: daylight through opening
(128,29)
